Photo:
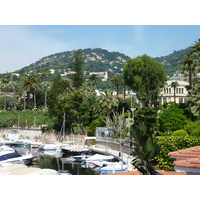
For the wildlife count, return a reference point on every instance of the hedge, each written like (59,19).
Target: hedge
(173,143)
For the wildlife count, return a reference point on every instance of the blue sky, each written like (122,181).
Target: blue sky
(22,45)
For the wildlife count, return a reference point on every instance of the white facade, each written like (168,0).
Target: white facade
(103,75)
(167,93)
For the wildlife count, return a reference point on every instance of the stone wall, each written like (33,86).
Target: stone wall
(55,137)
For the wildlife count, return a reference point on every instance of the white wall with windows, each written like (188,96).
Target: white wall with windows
(167,93)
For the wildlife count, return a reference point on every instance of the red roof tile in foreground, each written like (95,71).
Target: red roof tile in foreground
(192,152)
(189,157)
(163,172)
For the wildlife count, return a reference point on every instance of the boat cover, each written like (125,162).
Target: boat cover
(9,155)
(75,148)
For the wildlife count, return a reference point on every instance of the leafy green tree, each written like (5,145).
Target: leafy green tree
(193,128)
(172,119)
(194,100)
(147,115)
(55,96)
(77,65)
(6,78)
(15,86)
(145,76)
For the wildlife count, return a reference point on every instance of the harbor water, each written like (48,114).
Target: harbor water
(58,161)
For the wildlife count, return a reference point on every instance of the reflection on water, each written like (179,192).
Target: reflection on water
(58,162)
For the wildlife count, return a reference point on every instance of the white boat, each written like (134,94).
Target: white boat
(15,158)
(6,149)
(99,164)
(118,167)
(35,144)
(49,146)
(80,157)
(99,157)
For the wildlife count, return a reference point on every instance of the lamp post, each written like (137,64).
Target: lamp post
(121,142)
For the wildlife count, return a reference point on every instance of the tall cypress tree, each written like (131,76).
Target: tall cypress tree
(77,64)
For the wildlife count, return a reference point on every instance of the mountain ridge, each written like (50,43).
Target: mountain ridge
(98,59)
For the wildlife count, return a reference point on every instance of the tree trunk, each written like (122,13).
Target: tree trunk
(174,94)
(5,99)
(24,100)
(45,100)
(34,94)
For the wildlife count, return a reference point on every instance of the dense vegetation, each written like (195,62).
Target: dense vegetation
(71,102)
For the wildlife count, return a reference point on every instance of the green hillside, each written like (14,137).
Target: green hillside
(97,60)
(173,61)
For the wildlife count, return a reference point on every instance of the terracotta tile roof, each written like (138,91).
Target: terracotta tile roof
(163,172)
(189,157)
(192,152)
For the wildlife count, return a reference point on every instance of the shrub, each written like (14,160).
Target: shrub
(173,143)
(193,128)
(180,133)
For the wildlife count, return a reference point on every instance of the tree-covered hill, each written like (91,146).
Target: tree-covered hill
(173,61)
(97,60)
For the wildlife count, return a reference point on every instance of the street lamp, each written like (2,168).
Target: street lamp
(121,142)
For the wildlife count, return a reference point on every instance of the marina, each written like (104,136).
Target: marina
(49,158)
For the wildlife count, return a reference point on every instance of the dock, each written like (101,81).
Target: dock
(20,169)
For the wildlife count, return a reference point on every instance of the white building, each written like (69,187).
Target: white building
(167,93)
(103,75)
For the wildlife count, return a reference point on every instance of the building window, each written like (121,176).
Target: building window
(176,90)
(169,90)
(182,90)
(164,100)
(179,90)
(180,100)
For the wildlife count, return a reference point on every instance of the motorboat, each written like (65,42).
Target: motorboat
(6,149)
(74,149)
(49,146)
(80,158)
(116,168)
(6,141)
(99,157)
(16,158)
(35,144)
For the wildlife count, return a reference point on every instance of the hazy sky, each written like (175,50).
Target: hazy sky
(22,45)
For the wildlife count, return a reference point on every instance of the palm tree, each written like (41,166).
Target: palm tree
(66,87)
(45,73)
(108,102)
(117,81)
(15,86)
(45,85)
(30,84)
(93,79)
(174,85)
(5,81)
(188,67)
